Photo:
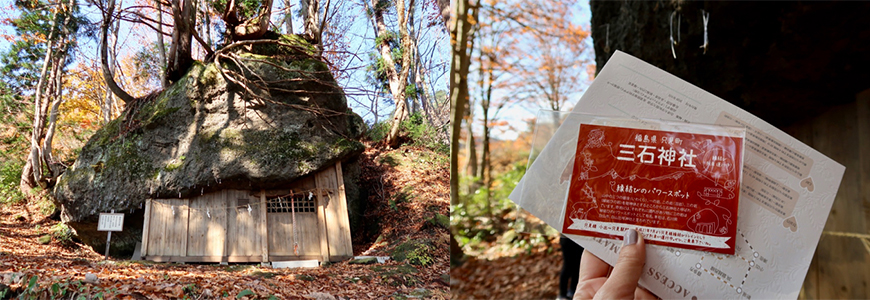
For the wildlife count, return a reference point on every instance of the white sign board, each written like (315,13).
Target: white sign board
(110,222)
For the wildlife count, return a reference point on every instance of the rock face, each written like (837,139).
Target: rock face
(205,133)
(783,61)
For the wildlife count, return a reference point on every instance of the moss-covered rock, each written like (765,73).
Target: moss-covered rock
(416,252)
(204,133)
(364,261)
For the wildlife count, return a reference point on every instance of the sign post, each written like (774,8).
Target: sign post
(110,222)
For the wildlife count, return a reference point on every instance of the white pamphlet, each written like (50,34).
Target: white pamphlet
(786,194)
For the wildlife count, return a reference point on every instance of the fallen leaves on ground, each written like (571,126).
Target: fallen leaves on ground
(532,275)
(401,220)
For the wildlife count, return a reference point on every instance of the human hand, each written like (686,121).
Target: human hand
(594,282)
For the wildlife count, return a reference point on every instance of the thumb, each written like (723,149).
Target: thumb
(622,282)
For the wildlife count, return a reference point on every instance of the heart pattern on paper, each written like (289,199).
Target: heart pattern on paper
(808,184)
(790,223)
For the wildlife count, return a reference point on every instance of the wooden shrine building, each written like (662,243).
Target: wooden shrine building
(306,220)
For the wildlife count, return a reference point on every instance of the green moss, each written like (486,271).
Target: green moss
(236,268)
(440,220)
(415,252)
(364,261)
(421,294)
(207,136)
(152,112)
(306,277)
(305,66)
(345,146)
(106,134)
(263,274)
(397,275)
(297,45)
(175,164)
(124,155)
(207,75)
(262,147)
(45,239)
(394,270)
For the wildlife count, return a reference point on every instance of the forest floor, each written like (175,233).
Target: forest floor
(408,201)
(504,273)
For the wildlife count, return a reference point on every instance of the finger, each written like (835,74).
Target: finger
(641,293)
(592,267)
(623,280)
(586,289)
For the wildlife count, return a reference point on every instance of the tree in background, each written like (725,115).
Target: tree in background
(522,55)
(102,80)
(543,51)
(462,41)
(52,28)
(529,54)
(400,68)
(396,71)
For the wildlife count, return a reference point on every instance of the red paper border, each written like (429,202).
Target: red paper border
(696,194)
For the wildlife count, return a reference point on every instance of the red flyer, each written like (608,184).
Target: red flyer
(677,189)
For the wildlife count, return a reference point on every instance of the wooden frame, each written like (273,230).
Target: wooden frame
(231,259)
(211,227)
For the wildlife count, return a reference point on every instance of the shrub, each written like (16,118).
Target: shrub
(10,174)
(423,134)
(417,131)
(415,252)
(62,233)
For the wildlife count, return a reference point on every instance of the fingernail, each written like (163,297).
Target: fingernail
(630,237)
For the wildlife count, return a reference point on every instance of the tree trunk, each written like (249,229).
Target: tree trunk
(288,17)
(31,175)
(48,158)
(180,54)
(321,28)
(397,80)
(419,80)
(309,14)
(313,26)
(444,6)
(423,93)
(471,150)
(161,47)
(60,60)
(458,89)
(485,165)
(457,256)
(109,98)
(486,168)
(413,75)
(249,29)
(104,56)
(206,27)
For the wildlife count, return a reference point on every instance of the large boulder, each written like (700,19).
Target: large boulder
(206,133)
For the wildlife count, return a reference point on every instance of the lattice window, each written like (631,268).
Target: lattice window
(301,203)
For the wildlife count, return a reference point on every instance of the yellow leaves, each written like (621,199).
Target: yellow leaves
(83,91)
(497,123)
(471,20)
(590,71)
